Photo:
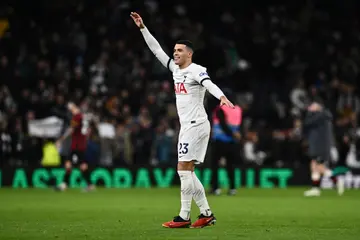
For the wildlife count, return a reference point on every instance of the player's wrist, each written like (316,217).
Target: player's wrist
(142,26)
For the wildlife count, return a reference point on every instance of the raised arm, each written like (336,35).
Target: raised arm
(152,43)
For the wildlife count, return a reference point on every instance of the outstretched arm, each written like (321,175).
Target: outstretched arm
(67,133)
(216,92)
(152,43)
(202,77)
(75,122)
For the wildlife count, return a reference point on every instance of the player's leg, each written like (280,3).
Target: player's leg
(185,170)
(199,149)
(192,145)
(216,154)
(206,217)
(64,185)
(84,168)
(338,178)
(341,169)
(187,188)
(315,179)
(334,174)
(324,170)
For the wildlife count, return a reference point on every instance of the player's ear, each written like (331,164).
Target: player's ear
(190,53)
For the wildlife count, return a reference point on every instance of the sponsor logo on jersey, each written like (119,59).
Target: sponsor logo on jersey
(180,88)
(203,74)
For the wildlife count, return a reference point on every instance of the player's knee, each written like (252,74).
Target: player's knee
(68,165)
(186,166)
(314,164)
(83,167)
(321,168)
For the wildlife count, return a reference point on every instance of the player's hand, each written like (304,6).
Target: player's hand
(225,102)
(58,143)
(137,19)
(237,136)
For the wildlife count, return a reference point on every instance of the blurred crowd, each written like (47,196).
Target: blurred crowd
(276,58)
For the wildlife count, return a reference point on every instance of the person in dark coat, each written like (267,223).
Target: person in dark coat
(318,131)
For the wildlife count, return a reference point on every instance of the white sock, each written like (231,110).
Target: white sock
(200,197)
(187,191)
(328,173)
(315,177)
(63,186)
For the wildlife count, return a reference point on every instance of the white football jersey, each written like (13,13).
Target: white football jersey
(189,92)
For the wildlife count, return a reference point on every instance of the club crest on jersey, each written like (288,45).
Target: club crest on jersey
(180,88)
(203,74)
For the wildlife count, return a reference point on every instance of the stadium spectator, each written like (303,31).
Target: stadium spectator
(284,54)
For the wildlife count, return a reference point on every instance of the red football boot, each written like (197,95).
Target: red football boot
(177,222)
(204,221)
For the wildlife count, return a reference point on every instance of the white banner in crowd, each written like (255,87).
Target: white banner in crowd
(47,127)
(106,130)
(51,127)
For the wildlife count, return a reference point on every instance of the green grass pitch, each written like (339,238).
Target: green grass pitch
(256,214)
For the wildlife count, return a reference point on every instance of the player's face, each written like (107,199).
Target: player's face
(181,54)
(72,108)
(314,107)
(311,108)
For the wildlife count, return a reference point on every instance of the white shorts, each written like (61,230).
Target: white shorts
(193,142)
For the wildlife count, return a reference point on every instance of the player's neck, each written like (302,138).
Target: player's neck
(185,65)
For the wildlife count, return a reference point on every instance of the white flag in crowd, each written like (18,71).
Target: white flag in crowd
(106,130)
(47,127)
